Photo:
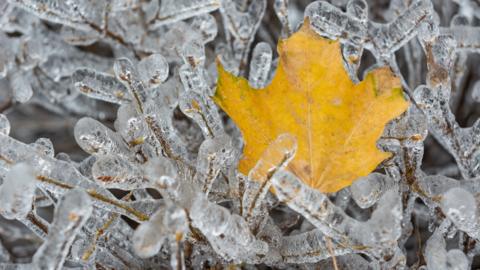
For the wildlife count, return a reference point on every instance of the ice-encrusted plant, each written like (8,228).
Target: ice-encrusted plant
(160,187)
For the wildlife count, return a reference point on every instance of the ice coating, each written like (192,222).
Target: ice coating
(114,156)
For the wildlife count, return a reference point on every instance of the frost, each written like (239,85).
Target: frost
(113,154)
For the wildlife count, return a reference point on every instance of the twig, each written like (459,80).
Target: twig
(330,250)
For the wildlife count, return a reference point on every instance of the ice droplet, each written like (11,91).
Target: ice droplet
(367,190)
(153,70)
(44,146)
(150,236)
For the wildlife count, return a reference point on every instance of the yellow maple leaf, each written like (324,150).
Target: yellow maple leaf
(336,122)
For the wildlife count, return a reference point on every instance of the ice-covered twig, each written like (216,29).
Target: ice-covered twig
(213,153)
(353,29)
(309,247)
(329,21)
(433,99)
(241,25)
(169,224)
(100,86)
(59,176)
(73,210)
(379,230)
(467,37)
(95,138)
(331,220)
(386,39)
(228,233)
(158,119)
(195,101)
(276,157)
(175,10)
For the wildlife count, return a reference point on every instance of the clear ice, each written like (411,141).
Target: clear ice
(113,154)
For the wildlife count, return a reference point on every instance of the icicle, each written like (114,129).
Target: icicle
(260,65)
